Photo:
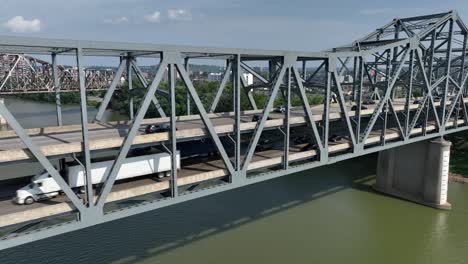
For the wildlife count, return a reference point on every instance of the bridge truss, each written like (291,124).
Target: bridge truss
(412,69)
(20,73)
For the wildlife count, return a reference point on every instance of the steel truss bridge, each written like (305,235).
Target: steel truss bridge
(405,82)
(20,73)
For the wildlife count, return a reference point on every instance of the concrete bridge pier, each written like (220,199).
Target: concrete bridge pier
(2,119)
(416,172)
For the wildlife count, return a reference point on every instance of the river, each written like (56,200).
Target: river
(324,215)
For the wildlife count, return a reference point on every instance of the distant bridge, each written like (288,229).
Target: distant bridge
(395,91)
(20,73)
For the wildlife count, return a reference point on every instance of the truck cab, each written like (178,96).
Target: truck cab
(42,186)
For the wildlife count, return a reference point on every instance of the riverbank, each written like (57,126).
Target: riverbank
(459,157)
(456,178)
(68,98)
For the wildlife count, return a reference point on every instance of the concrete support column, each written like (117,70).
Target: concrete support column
(2,119)
(416,172)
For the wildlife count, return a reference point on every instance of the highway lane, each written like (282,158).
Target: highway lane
(72,134)
(65,140)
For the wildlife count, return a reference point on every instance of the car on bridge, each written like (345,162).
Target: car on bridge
(280,109)
(157,128)
(257,117)
(354,107)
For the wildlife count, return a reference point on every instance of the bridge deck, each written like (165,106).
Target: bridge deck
(57,141)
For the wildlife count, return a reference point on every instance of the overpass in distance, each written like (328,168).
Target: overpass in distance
(394,90)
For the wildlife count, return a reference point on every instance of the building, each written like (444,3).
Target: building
(215,76)
(248,78)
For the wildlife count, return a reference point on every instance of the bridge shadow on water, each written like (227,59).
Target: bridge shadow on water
(147,235)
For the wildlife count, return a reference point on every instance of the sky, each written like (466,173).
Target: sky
(304,25)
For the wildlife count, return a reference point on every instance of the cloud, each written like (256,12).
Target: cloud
(154,17)
(179,14)
(117,20)
(21,25)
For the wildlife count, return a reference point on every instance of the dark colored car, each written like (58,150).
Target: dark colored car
(157,128)
(335,138)
(264,144)
(354,107)
(257,117)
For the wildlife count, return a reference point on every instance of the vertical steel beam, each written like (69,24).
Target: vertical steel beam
(172,94)
(326,110)
(358,98)
(463,61)
(287,116)
(376,60)
(271,69)
(355,77)
(55,76)
(431,56)
(383,131)
(186,65)
(389,71)
(448,59)
(130,85)
(84,129)
(237,111)
(395,49)
(409,92)
(110,91)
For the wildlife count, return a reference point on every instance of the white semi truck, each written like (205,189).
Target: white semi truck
(43,186)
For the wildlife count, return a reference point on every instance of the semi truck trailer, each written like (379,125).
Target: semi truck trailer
(43,186)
